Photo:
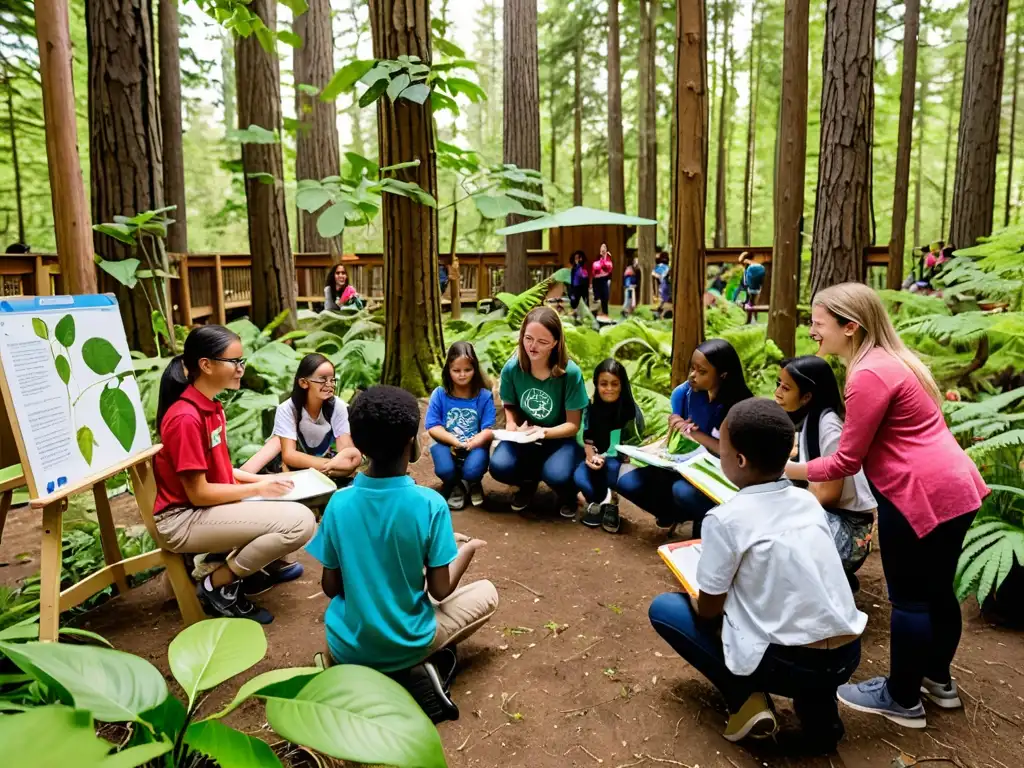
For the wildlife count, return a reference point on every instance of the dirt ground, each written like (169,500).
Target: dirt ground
(602,689)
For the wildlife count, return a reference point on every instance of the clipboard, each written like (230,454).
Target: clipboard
(682,558)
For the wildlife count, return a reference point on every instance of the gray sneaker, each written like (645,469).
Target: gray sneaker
(457,497)
(476,494)
(943,695)
(872,696)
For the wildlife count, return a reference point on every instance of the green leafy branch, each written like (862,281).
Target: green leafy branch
(235,16)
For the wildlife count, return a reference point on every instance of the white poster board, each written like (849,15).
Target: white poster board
(69,386)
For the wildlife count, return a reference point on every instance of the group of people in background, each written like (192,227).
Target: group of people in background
(778,560)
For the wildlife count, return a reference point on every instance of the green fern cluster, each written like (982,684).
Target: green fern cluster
(990,548)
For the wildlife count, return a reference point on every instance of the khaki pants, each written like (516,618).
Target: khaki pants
(461,614)
(255,532)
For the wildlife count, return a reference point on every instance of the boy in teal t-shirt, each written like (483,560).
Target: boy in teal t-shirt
(375,540)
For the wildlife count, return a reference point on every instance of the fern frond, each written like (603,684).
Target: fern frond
(987,408)
(904,305)
(1012,439)
(960,330)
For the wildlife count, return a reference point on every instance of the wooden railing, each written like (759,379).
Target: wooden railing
(212,286)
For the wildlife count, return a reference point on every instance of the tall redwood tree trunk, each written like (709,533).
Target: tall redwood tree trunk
(12,130)
(126,158)
(405,131)
(577,130)
(974,188)
(317,152)
(919,175)
(647,163)
(754,90)
(790,163)
(259,103)
(950,105)
(689,177)
(521,133)
(170,124)
(616,153)
(842,212)
(898,237)
(721,180)
(1018,31)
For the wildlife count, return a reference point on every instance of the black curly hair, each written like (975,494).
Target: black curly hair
(383,420)
(763,432)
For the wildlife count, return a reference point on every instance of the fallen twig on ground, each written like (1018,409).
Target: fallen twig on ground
(570,658)
(676,734)
(533,592)
(589,706)
(664,760)
(1004,664)
(938,759)
(463,744)
(946,746)
(494,730)
(996,712)
(580,746)
(961,669)
(733,762)
(630,765)
(900,749)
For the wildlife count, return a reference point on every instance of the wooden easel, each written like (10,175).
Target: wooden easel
(53,600)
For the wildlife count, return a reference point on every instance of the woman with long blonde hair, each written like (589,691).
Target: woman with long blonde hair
(927,490)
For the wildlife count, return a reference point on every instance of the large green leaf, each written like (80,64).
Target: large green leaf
(345,78)
(100,355)
(355,713)
(51,737)
(282,683)
(65,330)
(63,368)
(86,441)
(208,653)
(124,233)
(332,221)
(114,686)
(230,748)
(312,199)
(397,85)
(141,754)
(118,414)
(39,326)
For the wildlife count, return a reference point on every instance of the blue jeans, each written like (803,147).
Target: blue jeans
(595,483)
(925,622)
(526,464)
(809,676)
(666,495)
(451,468)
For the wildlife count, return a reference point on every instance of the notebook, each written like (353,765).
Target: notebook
(309,483)
(704,472)
(518,437)
(682,558)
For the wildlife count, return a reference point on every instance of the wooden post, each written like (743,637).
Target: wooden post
(454,280)
(67,190)
(42,277)
(184,292)
(49,571)
(108,536)
(218,291)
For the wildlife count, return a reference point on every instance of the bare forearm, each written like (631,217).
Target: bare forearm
(568,429)
(442,436)
(214,494)
(796,471)
(296,459)
(243,476)
(483,439)
(459,566)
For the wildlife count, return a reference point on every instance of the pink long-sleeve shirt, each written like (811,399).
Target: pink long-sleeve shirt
(603,266)
(895,431)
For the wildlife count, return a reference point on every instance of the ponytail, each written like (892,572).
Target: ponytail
(205,341)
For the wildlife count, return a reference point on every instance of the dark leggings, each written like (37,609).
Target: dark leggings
(925,623)
(602,290)
(578,292)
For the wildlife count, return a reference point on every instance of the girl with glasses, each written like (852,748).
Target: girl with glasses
(312,424)
(201,498)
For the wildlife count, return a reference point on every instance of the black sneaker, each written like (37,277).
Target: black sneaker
(229,602)
(265,579)
(521,498)
(592,515)
(610,520)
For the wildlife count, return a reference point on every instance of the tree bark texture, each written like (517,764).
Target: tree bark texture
(15,165)
(554,132)
(577,130)
(259,103)
(974,187)
(1018,30)
(405,131)
(317,150)
(170,125)
(227,84)
(616,152)
(918,177)
(755,87)
(126,158)
(689,177)
(72,225)
(521,129)
(721,181)
(950,104)
(790,164)
(842,212)
(647,162)
(901,186)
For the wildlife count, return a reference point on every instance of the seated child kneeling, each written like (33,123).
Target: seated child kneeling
(375,540)
(611,419)
(460,418)
(768,564)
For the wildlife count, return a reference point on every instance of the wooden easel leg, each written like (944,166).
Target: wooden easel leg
(184,590)
(5,506)
(108,537)
(49,572)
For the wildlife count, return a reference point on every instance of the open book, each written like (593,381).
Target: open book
(518,437)
(704,472)
(682,558)
(309,483)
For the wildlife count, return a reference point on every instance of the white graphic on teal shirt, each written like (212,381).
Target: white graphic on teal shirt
(537,403)
(464,423)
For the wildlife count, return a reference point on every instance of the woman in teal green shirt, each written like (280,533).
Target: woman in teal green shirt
(542,391)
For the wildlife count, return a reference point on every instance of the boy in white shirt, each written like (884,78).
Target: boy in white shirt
(771,578)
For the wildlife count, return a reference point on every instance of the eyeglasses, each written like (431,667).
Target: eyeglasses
(238,362)
(325,383)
